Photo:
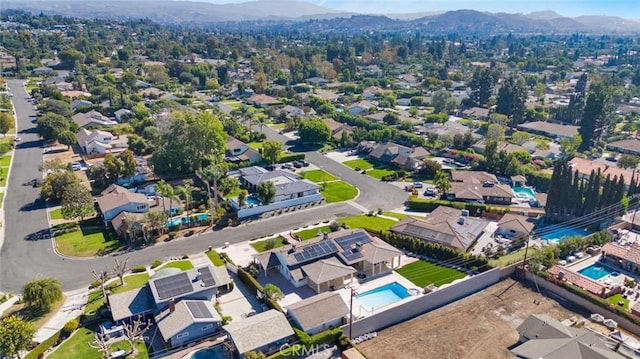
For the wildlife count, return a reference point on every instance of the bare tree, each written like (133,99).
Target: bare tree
(102,277)
(120,268)
(101,344)
(134,331)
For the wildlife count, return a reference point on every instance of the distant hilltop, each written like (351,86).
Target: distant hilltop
(192,13)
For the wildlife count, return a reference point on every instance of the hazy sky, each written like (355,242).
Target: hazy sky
(624,8)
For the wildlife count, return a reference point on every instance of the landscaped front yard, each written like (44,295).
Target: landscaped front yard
(132,281)
(5,161)
(255,145)
(360,163)
(215,258)
(312,233)
(182,265)
(372,223)
(56,214)
(268,244)
(87,242)
(422,273)
(318,176)
(338,191)
(380,173)
(77,346)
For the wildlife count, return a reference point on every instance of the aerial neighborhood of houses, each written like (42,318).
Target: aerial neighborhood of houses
(338,190)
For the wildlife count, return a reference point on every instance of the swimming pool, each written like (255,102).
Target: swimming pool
(528,191)
(381,296)
(597,271)
(210,353)
(251,200)
(562,233)
(186,219)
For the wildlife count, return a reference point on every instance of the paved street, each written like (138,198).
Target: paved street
(25,216)
(373,193)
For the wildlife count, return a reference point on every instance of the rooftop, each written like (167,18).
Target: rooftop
(186,313)
(259,330)
(318,309)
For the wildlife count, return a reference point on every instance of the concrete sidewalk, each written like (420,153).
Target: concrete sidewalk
(6,305)
(72,308)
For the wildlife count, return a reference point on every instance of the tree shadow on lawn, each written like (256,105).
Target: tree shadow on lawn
(29,313)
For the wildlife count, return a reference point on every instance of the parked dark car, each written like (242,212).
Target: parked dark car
(305,163)
(297,164)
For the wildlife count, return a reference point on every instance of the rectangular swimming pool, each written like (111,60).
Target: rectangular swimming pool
(381,296)
(524,191)
(597,271)
(562,233)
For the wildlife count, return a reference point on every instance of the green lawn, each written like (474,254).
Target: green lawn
(512,258)
(380,173)
(614,299)
(338,191)
(278,126)
(94,303)
(183,265)
(312,233)
(4,172)
(56,214)
(423,273)
(235,193)
(77,346)
(5,161)
(318,176)
(395,215)
(215,258)
(361,163)
(368,222)
(132,281)
(87,242)
(232,103)
(31,85)
(267,244)
(255,145)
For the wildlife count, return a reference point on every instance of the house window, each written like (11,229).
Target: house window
(207,327)
(300,194)
(182,335)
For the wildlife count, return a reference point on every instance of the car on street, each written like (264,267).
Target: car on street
(287,166)
(18,139)
(418,185)
(297,164)
(430,191)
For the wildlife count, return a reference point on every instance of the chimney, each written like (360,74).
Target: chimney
(461,220)
(172,305)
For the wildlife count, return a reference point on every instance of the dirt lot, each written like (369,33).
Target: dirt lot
(481,326)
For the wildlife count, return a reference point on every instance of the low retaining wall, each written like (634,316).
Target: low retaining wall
(253,211)
(424,304)
(545,285)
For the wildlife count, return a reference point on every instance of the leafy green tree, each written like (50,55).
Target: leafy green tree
(50,125)
(228,185)
(16,335)
(191,142)
(520,137)
(242,198)
(495,132)
(55,183)
(137,144)
(67,138)
(482,83)
(628,161)
(6,122)
(127,164)
(429,168)
(272,291)
(391,119)
(266,192)
(597,115)
(443,102)
(569,147)
(254,355)
(314,131)
(113,167)
(271,150)
(58,107)
(512,98)
(77,202)
(539,90)
(42,293)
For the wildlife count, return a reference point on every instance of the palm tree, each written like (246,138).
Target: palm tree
(211,174)
(242,198)
(261,120)
(186,191)
(246,115)
(166,191)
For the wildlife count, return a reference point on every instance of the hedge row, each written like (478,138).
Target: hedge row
(290,157)
(44,346)
(475,209)
(226,258)
(248,279)
(435,251)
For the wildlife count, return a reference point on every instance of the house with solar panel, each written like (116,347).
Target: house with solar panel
(330,261)
(180,302)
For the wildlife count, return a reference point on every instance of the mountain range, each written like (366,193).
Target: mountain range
(193,13)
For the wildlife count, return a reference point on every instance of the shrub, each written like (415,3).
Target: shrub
(226,319)
(226,258)
(94,284)
(70,327)
(156,263)
(334,226)
(171,235)
(138,269)
(249,280)
(189,233)
(41,348)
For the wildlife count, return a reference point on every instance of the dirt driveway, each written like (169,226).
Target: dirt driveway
(482,326)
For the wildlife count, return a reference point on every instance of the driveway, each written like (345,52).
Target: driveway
(373,193)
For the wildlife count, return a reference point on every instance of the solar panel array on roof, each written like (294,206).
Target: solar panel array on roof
(316,250)
(174,285)
(206,276)
(346,241)
(350,255)
(199,310)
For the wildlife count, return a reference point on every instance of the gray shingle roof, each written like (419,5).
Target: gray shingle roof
(130,303)
(319,309)
(259,330)
(171,323)
(325,270)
